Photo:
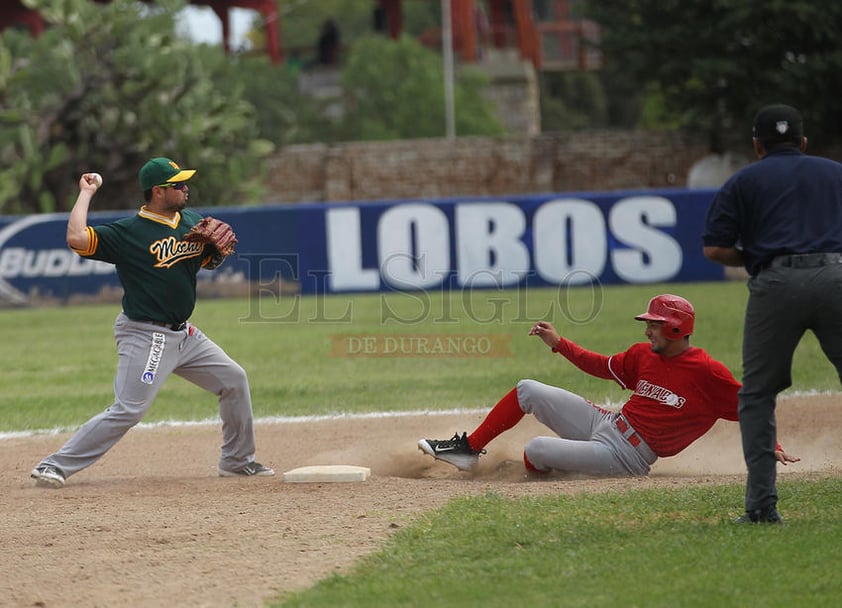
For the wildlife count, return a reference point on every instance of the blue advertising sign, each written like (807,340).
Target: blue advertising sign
(627,237)
(547,240)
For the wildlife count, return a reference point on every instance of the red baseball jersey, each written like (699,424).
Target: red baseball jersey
(675,400)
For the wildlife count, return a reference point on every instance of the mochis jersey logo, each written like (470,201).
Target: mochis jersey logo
(659,393)
(169,251)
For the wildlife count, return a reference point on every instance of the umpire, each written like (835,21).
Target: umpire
(781,218)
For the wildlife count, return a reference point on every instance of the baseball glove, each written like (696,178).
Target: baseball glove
(212,231)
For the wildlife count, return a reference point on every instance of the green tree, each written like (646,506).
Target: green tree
(302,20)
(713,63)
(284,115)
(395,90)
(105,88)
(300,23)
(571,101)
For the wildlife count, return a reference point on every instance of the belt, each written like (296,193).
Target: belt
(627,430)
(805,260)
(172,326)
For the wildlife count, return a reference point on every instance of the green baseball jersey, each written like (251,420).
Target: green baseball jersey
(155,265)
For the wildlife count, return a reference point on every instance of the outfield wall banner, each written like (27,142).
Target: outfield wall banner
(637,237)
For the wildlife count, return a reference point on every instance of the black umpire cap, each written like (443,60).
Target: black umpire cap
(777,124)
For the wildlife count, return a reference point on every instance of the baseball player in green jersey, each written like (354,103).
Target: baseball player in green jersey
(157,268)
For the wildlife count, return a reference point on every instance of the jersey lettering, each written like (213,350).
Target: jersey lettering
(169,251)
(660,394)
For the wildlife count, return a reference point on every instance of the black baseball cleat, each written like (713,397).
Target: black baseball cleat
(251,469)
(456,451)
(768,515)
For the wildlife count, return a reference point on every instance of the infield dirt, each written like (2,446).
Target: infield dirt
(153,525)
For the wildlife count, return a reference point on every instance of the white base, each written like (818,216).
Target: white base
(327,474)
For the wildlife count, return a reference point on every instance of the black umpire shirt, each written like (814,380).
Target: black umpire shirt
(786,203)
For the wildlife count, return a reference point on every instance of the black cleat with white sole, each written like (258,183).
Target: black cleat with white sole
(456,451)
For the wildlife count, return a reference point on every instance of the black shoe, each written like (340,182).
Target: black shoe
(769,515)
(456,451)
(248,470)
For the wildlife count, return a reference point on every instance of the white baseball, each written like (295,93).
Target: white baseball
(97,178)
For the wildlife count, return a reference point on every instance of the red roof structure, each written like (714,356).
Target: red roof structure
(464,18)
(555,43)
(15,13)
(550,42)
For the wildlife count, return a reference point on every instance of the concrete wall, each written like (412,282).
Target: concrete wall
(479,166)
(514,94)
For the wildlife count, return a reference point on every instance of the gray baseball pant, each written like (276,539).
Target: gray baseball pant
(588,438)
(147,354)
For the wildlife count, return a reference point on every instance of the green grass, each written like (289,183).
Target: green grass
(59,363)
(653,548)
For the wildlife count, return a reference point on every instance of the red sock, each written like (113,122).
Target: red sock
(531,468)
(502,417)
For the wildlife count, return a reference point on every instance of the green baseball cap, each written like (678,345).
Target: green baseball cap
(162,170)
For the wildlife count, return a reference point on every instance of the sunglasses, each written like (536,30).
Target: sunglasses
(174,185)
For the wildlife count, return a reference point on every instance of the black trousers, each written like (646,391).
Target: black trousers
(785,300)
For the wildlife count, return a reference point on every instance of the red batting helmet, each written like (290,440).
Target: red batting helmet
(674,312)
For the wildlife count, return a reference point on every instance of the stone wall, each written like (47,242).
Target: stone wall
(482,166)
(524,162)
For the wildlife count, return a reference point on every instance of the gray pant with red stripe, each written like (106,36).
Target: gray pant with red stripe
(589,440)
(148,354)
